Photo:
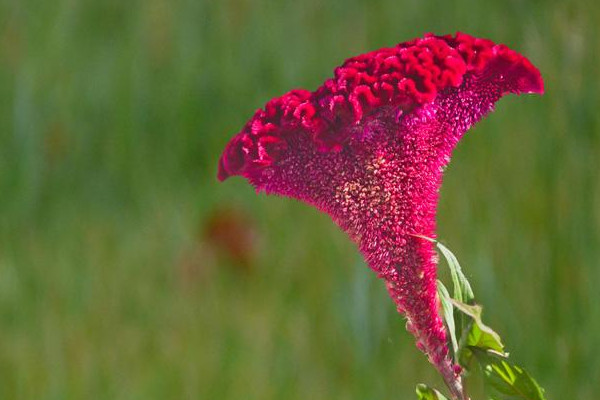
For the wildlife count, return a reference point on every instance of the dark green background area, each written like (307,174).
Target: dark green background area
(114,285)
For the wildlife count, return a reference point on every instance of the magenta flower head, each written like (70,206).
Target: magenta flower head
(369,147)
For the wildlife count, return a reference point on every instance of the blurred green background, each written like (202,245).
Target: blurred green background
(128,272)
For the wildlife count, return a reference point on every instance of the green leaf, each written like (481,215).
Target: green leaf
(479,335)
(424,392)
(507,381)
(448,313)
(462,287)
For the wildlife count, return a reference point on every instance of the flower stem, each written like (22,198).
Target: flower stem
(453,381)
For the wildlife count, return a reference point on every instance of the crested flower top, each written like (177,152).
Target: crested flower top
(407,75)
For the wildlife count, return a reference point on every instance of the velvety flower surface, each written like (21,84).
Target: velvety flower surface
(369,148)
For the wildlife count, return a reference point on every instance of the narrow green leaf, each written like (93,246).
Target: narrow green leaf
(507,381)
(462,288)
(424,392)
(448,313)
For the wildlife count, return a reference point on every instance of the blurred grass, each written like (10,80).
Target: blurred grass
(112,117)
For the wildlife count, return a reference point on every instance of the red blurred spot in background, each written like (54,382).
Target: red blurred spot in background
(225,239)
(232,236)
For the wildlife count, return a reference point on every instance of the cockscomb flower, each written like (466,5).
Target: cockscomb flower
(369,148)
